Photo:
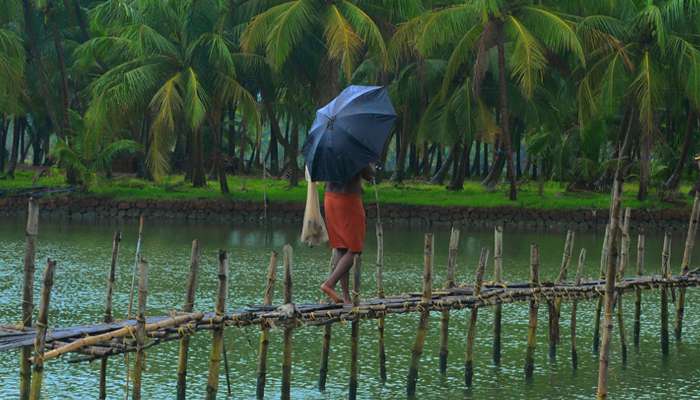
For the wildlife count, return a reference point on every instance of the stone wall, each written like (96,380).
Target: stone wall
(94,208)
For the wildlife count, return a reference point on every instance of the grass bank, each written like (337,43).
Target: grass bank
(410,193)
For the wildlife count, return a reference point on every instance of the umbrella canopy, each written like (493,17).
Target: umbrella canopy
(349,133)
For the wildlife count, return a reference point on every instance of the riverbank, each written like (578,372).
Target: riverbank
(413,204)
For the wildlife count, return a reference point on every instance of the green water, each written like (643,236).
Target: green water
(83,252)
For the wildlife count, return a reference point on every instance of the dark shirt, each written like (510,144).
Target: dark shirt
(354,185)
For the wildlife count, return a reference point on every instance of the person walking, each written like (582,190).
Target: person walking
(346,225)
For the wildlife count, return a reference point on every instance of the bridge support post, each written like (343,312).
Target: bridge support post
(666,273)
(534,305)
(638,290)
(417,350)
(289,328)
(355,330)
(41,324)
(327,333)
(31,233)
(599,303)
(188,306)
(685,265)
(622,264)
(554,306)
(217,341)
(497,277)
(471,332)
(111,274)
(140,328)
(449,283)
(264,328)
(574,306)
(380,294)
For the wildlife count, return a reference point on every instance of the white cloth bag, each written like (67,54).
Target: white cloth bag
(313,232)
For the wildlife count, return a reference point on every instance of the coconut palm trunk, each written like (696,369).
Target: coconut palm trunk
(505,115)
(671,185)
(199,178)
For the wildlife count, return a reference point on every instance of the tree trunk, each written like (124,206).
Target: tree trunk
(3,143)
(485,170)
(199,178)
(242,136)
(493,174)
(438,160)
(413,160)
(505,115)
(292,156)
(457,182)
(17,131)
(671,185)
(80,18)
(49,12)
(476,166)
(644,165)
(441,173)
(427,160)
(215,122)
(37,152)
(402,143)
(231,134)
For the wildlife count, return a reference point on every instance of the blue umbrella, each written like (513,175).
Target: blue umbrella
(349,133)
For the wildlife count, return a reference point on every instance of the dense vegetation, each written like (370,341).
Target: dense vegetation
(485,89)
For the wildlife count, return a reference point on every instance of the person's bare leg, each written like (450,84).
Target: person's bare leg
(341,268)
(330,290)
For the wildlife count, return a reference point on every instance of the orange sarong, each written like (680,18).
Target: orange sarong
(345,221)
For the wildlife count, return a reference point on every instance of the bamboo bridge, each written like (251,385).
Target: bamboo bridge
(98,342)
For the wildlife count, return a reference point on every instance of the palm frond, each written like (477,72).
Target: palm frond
(288,30)
(527,60)
(365,28)
(342,42)
(166,106)
(557,34)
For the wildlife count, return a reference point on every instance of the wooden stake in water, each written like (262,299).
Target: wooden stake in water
(604,356)
(137,258)
(599,303)
(140,329)
(574,306)
(355,331)
(638,290)
(685,265)
(497,277)
(554,306)
(327,330)
(665,273)
(623,261)
(41,325)
(217,340)
(265,329)
(449,283)
(471,333)
(287,350)
(188,307)
(111,273)
(417,350)
(532,323)
(380,294)
(31,233)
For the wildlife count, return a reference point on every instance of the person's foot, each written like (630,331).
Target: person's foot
(331,294)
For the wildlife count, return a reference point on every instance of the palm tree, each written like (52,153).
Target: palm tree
(531,32)
(176,62)
(325,37)
(646,60)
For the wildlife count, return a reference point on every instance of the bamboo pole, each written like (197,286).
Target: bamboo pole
(217,340)
(638,290)
(380,294)
(354,331)
(574,307)
(622,264)
(31,232)
(137,257)
(140,328)
(449,283)
(497,277)
(287,350)
(554,306)
(327,333)
(599,303)
(111,273)
(685,265)
(265,328)
(611,258)
(471,333)
(41,325)
(417,350)
(189,305)
(666,273)
(532,322)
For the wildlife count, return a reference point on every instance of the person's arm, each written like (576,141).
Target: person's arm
(368,173)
